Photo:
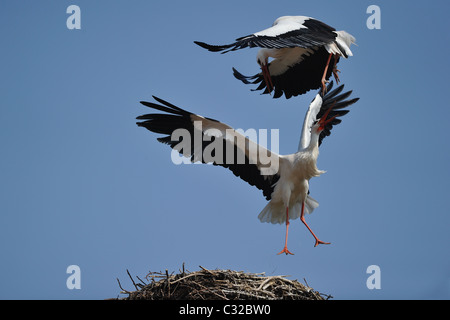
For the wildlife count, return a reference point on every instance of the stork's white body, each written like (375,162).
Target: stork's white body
(284,58)
(295,171)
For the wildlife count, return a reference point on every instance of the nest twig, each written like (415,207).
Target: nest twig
(219,285)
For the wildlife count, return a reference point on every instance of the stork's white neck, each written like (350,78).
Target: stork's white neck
(314,141)
(263,55)
(306,159)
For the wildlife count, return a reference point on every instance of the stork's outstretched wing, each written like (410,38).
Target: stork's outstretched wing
(304,32)
(211,141)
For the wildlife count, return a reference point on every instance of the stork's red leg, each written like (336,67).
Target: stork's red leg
(324,77)
(285,249)
(302,217)
(335,69)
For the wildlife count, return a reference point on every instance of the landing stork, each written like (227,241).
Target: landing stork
(287,186)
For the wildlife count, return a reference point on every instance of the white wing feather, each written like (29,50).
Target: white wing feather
(266,160)
(283,25)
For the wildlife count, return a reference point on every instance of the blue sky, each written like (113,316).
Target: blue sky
(82,185)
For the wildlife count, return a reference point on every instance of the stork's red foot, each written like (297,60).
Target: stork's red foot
(285,250)
(335,74)
(302,216)
(320,242)
(324,86)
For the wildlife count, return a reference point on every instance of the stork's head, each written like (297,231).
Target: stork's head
(318,126)
(262,57)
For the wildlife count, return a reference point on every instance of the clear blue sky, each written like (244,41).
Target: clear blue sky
(81,184)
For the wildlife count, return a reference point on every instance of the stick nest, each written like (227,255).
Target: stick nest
(219,285)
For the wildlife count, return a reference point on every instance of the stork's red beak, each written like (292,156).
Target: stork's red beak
(324,121)
(267,78)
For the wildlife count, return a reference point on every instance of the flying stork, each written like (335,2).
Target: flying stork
(286,187)
(303,50)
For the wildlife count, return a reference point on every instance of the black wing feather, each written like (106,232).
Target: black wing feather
(336,101)
(177,118)
(315,33)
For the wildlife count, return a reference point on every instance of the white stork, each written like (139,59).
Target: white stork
(302,48)
(287,188)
